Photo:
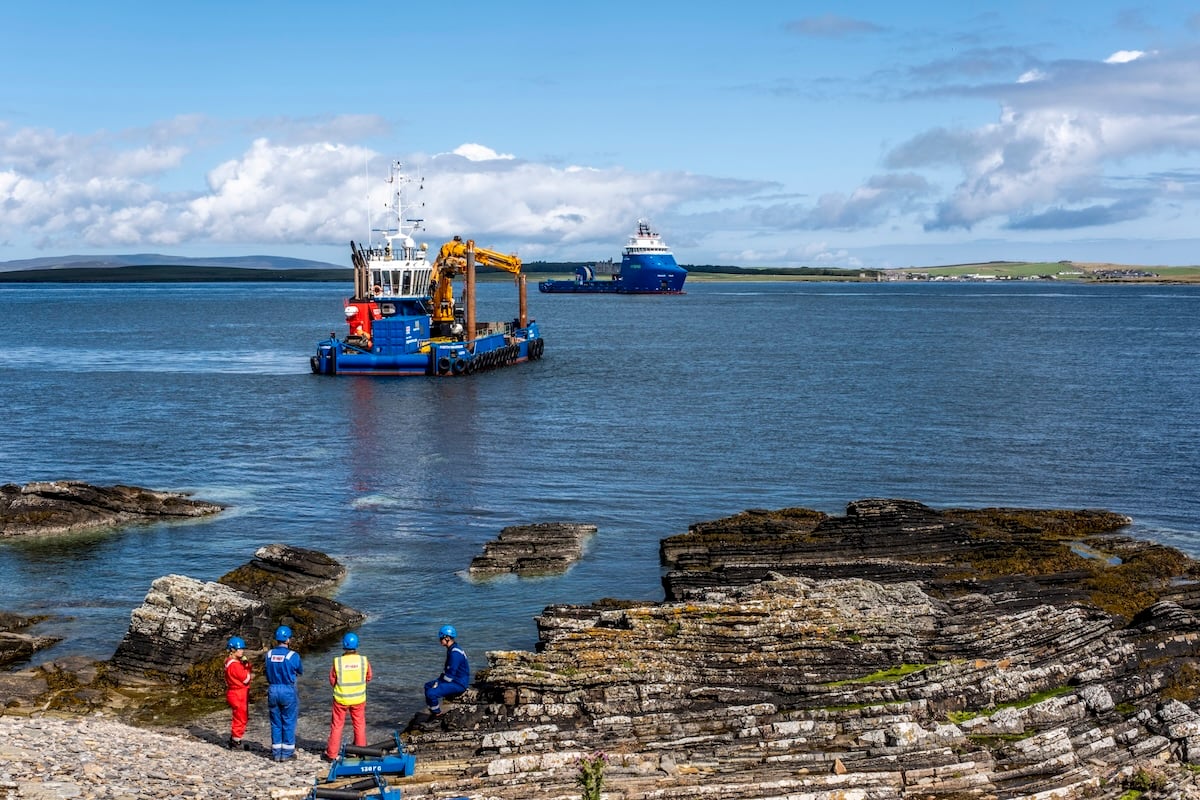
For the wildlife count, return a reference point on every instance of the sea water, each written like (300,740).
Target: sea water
(645,415)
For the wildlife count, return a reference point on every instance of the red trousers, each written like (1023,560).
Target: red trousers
(358,721)
(239,701)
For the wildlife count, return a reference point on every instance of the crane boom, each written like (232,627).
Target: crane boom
(452,261)
(453,257)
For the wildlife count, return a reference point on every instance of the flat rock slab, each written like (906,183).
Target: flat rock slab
(888,540)
(545,548)
(279,571)
(58,507)
(17,646)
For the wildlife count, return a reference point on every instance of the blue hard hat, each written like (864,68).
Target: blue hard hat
(447,630)
(236,643)
(350,641)
(283,633)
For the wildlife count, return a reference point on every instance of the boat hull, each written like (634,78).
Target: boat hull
(637,276)
(595,287)
(640,272)
(436,359)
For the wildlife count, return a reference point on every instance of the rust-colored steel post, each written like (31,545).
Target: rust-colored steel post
(469,291)
(524,312)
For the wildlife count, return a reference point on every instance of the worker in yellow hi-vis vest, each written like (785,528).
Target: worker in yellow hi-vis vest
(348,676)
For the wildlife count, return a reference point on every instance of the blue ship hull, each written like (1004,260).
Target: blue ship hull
(408,355)
(638,275)
(647,267)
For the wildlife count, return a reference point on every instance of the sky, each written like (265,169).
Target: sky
(758,134)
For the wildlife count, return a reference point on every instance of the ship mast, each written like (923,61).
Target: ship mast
(399,227)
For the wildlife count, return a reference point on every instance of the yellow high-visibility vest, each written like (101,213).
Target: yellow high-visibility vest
(351,672)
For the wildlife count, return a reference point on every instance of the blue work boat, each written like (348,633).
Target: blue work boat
(647,267)
(404,318)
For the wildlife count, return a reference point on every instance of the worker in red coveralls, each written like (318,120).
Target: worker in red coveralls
(348,676)
(237,691)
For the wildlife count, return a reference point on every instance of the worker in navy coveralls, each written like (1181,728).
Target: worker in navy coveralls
(455,677)
(283,667)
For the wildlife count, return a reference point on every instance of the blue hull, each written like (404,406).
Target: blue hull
(596,287)
(639,273)
(578,287)
(448,359)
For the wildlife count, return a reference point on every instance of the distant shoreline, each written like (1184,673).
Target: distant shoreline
(1063,272)
(172,274)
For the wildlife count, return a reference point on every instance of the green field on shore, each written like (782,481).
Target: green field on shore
(1057,270)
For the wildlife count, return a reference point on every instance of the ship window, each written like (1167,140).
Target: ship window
(387,309)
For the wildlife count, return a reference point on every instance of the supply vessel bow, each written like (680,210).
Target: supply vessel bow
(647,267)
(404,318)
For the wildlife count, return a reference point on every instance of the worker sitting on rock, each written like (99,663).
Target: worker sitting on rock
(455,677)
(348,676)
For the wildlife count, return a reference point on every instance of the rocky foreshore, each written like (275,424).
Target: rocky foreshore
(896,651)
(55,508)
(169,663)
(15,644)
(47,508)
(544,548)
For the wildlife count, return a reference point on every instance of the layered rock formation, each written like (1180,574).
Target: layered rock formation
(17,646)
(280,571)
(895,651)
(893,540)
(56,507)
(545,548)
(172,652)
(185,622)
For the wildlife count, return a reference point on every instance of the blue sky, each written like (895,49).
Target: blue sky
(755,133)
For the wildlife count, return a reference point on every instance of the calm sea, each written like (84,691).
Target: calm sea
(646,414)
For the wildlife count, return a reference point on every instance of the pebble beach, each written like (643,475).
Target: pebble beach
(98,758)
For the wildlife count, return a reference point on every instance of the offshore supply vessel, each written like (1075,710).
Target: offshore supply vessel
(404,318)
(647,267)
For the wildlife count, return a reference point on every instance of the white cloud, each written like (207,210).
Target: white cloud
(814,254)
(1059,155)
(547,210)
(477,152)
(1124,56)
(307,194)
(146,160)
(1060,138)
(106,191)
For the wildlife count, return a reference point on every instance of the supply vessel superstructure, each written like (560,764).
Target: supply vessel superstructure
(647,267)
(404,318)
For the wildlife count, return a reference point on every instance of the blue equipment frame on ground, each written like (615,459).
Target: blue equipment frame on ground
(384,758)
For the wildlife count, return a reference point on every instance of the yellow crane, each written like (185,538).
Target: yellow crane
(451,261)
